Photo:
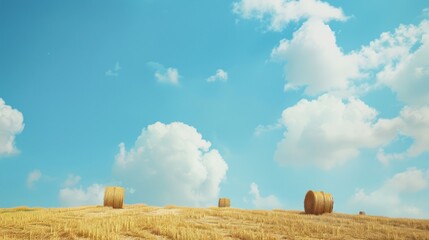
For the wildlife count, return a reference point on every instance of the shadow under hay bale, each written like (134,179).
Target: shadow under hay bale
(224,202)
(114,197)
(318,202)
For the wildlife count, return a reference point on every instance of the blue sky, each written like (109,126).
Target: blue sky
(185,102)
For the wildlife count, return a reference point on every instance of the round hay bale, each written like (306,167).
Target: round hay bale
(362,213)
(109,193)
(114,197)
(118,199)
(318,202)
(224,202)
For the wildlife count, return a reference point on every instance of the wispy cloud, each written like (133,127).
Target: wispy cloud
(261,129)
(412,122)
(268,202)
(279,13)
(220,75)
(92,195)
(387,200)
(33,177)
(114,72)
(168,75)
(71,181)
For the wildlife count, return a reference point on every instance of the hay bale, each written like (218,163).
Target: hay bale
(224,202)
(318,202)
(118,200)
(109,194)
(362,213)
(114,197)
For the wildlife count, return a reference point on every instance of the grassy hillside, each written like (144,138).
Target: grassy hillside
(146,222)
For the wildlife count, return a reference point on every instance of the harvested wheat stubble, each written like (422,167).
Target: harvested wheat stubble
(224,202)
(114,197)
(318,202)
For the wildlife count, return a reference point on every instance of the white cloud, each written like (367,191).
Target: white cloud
(72,180)
(425,12)
(409,76)
(115,71)
(314,47)
(281,12)
(261,129)
(93,195)
(395,59)
(391,47)
(412,122)
(171,75)
(165,75)
(131,190)
(268,202)
(11,124)
(327,132)
(33,177)
(171,164)
(387,199)
(220,75)
(335,131)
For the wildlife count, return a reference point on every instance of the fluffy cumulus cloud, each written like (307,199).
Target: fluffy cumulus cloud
(396,59)
(329,131)
(77,196)
(171,164)
(412,122)
(409,75)
(165,75)
(335,130)
(314,46)
(220,75)
(11,124)
(33,177)
(268,202)
(388,199)
(72,180)
(114,72)
(278,13)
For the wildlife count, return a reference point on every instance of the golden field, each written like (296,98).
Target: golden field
(171,222)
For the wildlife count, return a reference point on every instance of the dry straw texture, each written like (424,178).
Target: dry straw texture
(118,200)
(224,202)
(182,223)
(109,193)
(114,197)
(318,202)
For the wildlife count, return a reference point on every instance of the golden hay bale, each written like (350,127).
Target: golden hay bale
(362,213)
(109,193)
(118,200)
(318,202)
(114,197)
(224,202)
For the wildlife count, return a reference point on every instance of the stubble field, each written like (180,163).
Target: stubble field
(171,222)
